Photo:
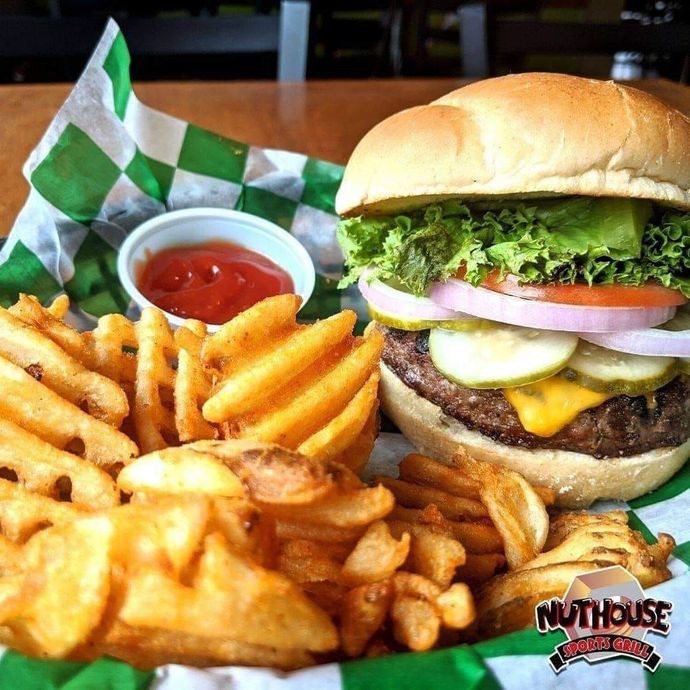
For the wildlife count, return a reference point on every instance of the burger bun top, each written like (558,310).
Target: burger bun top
(524,135)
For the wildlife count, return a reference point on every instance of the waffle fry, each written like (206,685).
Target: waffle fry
(164,377)
(342,431)
(192,384)
(191,337)
(142,358)
(23,513)
(357,454)
(270,390)
(315,399)
(32,406)
(109,349)
(44,470)
(29,349)
(250,333)
(169,385)
(154,418)
(307,387)
(247,390)
(48,320)
(100,350)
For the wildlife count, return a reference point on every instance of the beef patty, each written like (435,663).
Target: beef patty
(621,426)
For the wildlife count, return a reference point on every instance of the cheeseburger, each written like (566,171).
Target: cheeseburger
(523,243)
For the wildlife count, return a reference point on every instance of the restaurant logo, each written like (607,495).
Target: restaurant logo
(605,614)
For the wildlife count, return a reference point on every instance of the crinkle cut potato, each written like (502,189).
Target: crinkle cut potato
(126,389)
(193,498)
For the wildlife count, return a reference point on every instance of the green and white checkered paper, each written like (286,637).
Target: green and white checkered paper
(106,163)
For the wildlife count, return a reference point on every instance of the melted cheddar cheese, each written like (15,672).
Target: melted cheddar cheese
(545,407)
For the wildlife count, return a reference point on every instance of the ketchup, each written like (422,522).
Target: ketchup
(212,282)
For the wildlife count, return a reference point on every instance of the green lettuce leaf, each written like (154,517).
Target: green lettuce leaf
(585,224)
(580,239)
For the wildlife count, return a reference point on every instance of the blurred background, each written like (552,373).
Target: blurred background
(48,40)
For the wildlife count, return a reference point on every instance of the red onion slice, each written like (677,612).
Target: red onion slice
(400,303)
(486,304)
(644,341)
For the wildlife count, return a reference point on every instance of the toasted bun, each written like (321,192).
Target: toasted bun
(577,478)
(522,135)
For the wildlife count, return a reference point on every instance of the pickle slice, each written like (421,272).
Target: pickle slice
(618,373)
(410,323)
(500,357)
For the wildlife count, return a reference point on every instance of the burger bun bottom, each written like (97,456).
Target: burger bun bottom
(577,478)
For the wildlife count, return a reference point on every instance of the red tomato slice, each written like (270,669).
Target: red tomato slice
(649,295)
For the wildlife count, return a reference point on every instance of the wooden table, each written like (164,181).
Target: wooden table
(324,119)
